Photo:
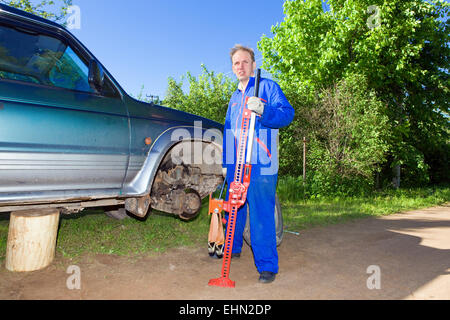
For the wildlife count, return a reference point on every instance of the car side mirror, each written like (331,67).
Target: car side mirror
(96,76)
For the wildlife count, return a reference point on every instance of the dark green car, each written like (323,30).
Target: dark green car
(71,138)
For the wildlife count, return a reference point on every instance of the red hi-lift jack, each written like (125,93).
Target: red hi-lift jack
(237,190)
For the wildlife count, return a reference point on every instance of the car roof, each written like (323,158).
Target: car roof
(5,9)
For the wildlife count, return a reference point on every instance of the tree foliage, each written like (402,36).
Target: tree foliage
(55,10)
(400,46)
(346,137)
(207,96)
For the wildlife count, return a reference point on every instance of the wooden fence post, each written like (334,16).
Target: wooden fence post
(304,159)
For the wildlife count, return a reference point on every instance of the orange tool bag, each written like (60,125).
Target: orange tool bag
(216,237)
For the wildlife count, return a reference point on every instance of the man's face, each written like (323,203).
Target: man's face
(243,66)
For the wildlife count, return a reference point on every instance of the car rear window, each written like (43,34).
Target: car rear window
(38,58)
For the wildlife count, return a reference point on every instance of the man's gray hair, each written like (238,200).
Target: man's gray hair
(238,47)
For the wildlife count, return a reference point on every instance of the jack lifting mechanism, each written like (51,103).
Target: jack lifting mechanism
(237,197)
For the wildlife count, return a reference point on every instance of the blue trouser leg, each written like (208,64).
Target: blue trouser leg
(261,202)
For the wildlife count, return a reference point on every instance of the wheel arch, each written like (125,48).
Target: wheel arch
(142,183)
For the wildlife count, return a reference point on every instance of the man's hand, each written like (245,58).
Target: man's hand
(224,172)
(256,105)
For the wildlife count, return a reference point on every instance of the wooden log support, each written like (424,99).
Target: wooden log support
(31,239)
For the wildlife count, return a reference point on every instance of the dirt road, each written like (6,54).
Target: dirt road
(402,256)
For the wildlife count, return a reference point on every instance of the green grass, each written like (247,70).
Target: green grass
(4,223)
(92,232)
(306,213)
(97,233)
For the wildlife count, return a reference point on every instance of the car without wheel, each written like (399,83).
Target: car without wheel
(71,138)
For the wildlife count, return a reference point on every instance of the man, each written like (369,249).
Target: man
(273,112)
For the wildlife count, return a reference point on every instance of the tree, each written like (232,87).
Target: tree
(207,96)
(48,9)
(347,130)
(400,46)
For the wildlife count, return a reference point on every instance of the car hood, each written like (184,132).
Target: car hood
(177,117)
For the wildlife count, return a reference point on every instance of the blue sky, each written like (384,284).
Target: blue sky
(143,42)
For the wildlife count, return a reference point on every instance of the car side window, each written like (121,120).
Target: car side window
(38,58)
(70,72)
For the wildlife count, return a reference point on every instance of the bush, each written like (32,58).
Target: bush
(346,132)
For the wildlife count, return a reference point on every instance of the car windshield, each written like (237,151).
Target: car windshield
(32,57)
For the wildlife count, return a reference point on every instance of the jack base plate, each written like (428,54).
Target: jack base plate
(222,282)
